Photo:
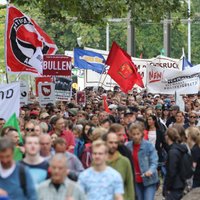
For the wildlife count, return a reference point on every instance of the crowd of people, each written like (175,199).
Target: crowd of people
(125,151)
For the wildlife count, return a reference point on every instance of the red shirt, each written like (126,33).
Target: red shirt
(136,148)
(69,138)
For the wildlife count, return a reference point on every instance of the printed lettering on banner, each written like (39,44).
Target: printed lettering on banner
(46,93)
(167,81)
(57,65)
(9,100)
(24,93)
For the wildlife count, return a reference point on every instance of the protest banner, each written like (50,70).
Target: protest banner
(57,65)
(9,100)
(41,80)
(46,93)
(63,89)
(24,89)
(81,97)
(167,81)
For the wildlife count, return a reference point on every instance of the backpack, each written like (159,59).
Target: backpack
(186,165)
(22,178)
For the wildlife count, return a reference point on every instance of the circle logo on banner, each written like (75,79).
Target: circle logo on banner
(26,44)
(46,90)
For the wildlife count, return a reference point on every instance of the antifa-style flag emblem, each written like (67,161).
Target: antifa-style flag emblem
(46,90)
(26,43)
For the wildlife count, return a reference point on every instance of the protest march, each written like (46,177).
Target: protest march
(95,125)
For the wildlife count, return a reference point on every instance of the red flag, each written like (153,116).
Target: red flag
(105,104)
(122,70)
(26,43)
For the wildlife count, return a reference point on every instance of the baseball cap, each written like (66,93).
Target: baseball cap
(158,107)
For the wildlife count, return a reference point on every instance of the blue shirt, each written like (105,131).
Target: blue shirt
(101,185)
(12,185)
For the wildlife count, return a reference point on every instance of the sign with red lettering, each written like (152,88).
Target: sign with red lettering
(57,65)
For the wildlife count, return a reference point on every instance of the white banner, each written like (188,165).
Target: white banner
(9,100)
(167,81)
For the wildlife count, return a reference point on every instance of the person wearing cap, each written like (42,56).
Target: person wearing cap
(73,114)
(158,109)
(165,114)
(174,109)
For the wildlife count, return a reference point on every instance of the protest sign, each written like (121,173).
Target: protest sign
(57,65)
(24,93)
(46,93)
(9,100)
(167,81)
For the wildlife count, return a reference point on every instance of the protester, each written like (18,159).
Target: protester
(74,165)
(37,165)
(120,163)
(174,184)
(101,182)
(59,187)
(15,179)
(145,161)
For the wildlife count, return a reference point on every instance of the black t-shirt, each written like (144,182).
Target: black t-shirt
(196,158)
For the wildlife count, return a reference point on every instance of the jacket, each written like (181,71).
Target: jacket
(148,160)
(173,180)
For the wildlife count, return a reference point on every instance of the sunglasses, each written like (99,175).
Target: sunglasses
(192,117)
(29,129)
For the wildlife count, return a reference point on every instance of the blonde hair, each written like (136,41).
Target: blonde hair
(194,134)
(98,143)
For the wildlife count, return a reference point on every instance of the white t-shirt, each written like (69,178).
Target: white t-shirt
(152,137)
(4,173)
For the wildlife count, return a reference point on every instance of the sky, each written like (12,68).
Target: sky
(2,1)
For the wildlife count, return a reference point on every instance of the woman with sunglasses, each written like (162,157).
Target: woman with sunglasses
(192,122)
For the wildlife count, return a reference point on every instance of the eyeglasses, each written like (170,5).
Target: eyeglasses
(88,108)
(29,129)
(193,117)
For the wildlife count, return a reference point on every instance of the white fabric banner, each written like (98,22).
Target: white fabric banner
(167,81)
(9,100)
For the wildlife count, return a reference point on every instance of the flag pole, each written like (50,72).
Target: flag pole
(101,76)
(5,40)
(104,79)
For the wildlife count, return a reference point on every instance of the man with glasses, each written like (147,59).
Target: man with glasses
(29,128)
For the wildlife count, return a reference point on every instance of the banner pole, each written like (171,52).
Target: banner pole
(101,76)
(104,79)
(5,40)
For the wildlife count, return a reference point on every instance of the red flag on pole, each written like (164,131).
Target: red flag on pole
(25,43)
(122,70)
(105,104)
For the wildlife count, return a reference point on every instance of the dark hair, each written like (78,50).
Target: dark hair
(54,120)
(105,121)
(6,143)
(5,130)
(60,141)
(12,129)
(2,119)
(155,121)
